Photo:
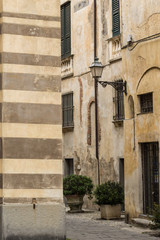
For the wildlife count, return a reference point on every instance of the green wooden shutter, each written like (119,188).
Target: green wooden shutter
(65,30)
(62,32)
(115,17)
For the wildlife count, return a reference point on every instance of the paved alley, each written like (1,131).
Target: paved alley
(89,226)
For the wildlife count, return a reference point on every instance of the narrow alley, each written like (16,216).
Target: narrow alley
(89,226)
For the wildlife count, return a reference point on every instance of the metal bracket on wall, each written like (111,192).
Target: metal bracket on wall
(119,86)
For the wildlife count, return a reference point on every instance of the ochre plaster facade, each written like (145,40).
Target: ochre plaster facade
(139,67)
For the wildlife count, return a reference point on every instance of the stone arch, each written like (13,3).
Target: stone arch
(145,73)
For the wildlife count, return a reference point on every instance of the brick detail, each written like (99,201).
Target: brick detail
(80,98)
(89,137)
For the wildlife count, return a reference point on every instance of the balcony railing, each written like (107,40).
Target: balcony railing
(67,67)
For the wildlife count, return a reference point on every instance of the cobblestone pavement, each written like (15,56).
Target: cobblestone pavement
(89,226)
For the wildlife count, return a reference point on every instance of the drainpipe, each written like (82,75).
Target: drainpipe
(96,92)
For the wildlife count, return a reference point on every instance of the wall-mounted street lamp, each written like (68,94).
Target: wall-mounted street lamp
(96,70)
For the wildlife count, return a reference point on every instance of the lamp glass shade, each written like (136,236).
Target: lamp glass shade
(96,69)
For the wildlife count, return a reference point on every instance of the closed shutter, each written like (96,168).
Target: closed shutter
(115,17)
(62,32)
(65,30)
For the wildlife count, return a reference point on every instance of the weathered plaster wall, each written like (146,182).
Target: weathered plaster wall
(75,143)
(142,72)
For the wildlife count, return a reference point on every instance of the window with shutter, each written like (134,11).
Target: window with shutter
(65,30)
(115,17)
(67,108)
(118,105)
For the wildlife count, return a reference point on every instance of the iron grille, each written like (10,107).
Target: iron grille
(118,105)
(150,166)
(146,102)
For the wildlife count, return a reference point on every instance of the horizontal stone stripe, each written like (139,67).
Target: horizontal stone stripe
(31,97)
(56,194)
(33,22)
(29,16)
(30,82)
(30,59)
(42,70)
(32,181)
(21,130)
(38,7)
(28,200)
(32,113)
(39,46)
(32,166)
(28,148)
(30,30)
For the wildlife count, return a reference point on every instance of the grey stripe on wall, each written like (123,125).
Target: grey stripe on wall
(32,181)
(30,59)
(29,16)
(30,148)
(30,82)
(32,113)
(30,30)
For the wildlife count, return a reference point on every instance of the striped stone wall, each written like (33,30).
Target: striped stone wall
(31,132)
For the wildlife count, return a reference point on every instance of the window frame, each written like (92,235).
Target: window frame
(65,36)
(116,28)
(149,109)
(66,108)
(118,100)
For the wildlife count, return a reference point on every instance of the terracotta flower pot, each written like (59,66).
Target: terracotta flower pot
(75,203)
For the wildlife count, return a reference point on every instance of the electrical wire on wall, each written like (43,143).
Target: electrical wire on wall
(157,35)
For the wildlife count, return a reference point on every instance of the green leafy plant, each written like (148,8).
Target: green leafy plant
(77,185)
(110,193)
(155,216)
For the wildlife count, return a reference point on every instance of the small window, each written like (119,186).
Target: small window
(115,17)
(118,105)
(67,107)
(68,167)
(65,30)
(146,103)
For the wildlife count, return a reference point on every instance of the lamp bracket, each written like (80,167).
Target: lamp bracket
(119,86)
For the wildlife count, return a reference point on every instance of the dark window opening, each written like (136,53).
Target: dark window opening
(115,17)
(68,167)
(118,105)
(65,30)
(67,108)
(121,177)
(150,175)
(146,102)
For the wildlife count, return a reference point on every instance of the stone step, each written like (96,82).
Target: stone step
(141,222)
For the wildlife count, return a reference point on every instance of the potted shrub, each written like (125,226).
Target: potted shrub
(74,189)
(109,196)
